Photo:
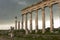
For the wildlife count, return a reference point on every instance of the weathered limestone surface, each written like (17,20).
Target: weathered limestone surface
(36,21)
(30,22)
(51,19)
(39,5)
(43,20)
(26,29)
(18,25)
(35,7)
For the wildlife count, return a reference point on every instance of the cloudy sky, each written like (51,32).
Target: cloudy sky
(11,8)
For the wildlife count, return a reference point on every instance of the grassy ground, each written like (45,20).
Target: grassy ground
(29,37)
(20,35)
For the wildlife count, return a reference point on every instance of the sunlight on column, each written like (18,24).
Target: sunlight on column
(56,24)
(28,24)
(39,24)
(33,24)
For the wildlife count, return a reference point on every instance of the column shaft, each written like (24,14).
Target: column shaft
(15,24)
(22,21)
(25,21)
(30,22)
(43,20)
(26,29)
(36,21)
(51,19)
(18,25)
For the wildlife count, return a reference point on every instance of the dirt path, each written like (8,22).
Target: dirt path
(4,38)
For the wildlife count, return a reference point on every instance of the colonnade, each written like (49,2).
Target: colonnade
(17,24)
(36,20)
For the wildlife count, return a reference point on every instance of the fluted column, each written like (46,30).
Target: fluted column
(30,22)
(36,21)
(51,19)
(43,20)
(26,29)
(18,25)
(22,20)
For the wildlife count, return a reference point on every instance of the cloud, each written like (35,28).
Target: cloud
(19,2)
(22,3)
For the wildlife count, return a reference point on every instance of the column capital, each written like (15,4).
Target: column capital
(50,6)
(22,14)
(25,13)
(30,12)
(36,10)
(43,9)
(15,17)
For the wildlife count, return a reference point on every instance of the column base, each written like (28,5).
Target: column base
(22,29)
(43,31)
(36,31)
(30,31)
(51,31)
(26,32)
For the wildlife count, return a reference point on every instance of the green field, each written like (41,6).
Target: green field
(20,35)
(30,37)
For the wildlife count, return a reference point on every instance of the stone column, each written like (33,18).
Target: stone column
(51,19)
(16,23)
(26,29)
(43,20)
(31,22)
(22,21)
(36,21)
